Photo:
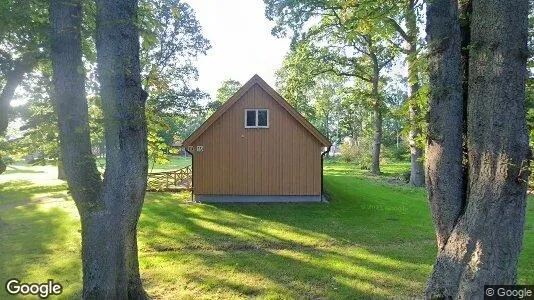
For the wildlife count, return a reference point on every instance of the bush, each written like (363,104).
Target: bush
(401,153)
(358,152)
(347,152)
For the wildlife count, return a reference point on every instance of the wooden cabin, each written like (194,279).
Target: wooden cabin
(257,148)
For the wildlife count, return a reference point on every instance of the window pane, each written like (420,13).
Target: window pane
(262,118)
(251,118)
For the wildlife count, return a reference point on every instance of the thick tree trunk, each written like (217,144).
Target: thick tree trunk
(103,256)
(484,243)
(123,102)
(135,286)
(109,210)
(417,171)
(444,144)
(75,145)
(111,268)
(465,11)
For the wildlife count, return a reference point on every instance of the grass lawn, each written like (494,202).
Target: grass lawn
(373,240)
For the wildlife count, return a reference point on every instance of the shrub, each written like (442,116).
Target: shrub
(401,153)
(358,152)
(347,152)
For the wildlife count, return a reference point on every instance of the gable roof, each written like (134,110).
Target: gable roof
(259,81)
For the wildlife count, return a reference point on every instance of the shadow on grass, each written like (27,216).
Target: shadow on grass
(358,246)
(14,170)
(31,239)
(40,240)
(21,192)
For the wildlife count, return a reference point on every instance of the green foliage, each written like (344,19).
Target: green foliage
(296,78)
(159,149)
(39,130)
(228,88)
(358,41)
(358,152)
(350,46)
(399,153)
(373,240)
(5,150)
(24,28)
(171,40)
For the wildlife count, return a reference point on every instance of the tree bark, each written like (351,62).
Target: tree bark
(377,110)
(13,80)
(485,241)
(444,175)
(377,141)
(109,210)
(123,101)
(69,81)
(417,171)
(60,170)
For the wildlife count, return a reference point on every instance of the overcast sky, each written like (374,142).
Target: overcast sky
(242,44)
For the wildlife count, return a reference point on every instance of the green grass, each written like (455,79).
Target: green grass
(373,240)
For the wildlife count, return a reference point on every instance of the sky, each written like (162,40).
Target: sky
(241,40)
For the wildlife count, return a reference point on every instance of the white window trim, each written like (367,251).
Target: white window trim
(256,117)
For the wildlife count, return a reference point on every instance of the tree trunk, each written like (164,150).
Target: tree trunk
(111,267)
(417,172)
(444,145)
(109,210)
(444,171)
(103,257)
(14,78)
(417,169)
(60,170)
(377,141)
(3,166)
(479,232)
(69,82)
(123,102)
(377,109)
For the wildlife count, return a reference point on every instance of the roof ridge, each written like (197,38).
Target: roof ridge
(256,79)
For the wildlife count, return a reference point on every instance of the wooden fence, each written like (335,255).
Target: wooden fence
(176,180)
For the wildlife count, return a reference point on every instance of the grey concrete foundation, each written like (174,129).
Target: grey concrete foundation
(255,199)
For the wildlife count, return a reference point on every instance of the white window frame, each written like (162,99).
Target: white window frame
(256,117)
